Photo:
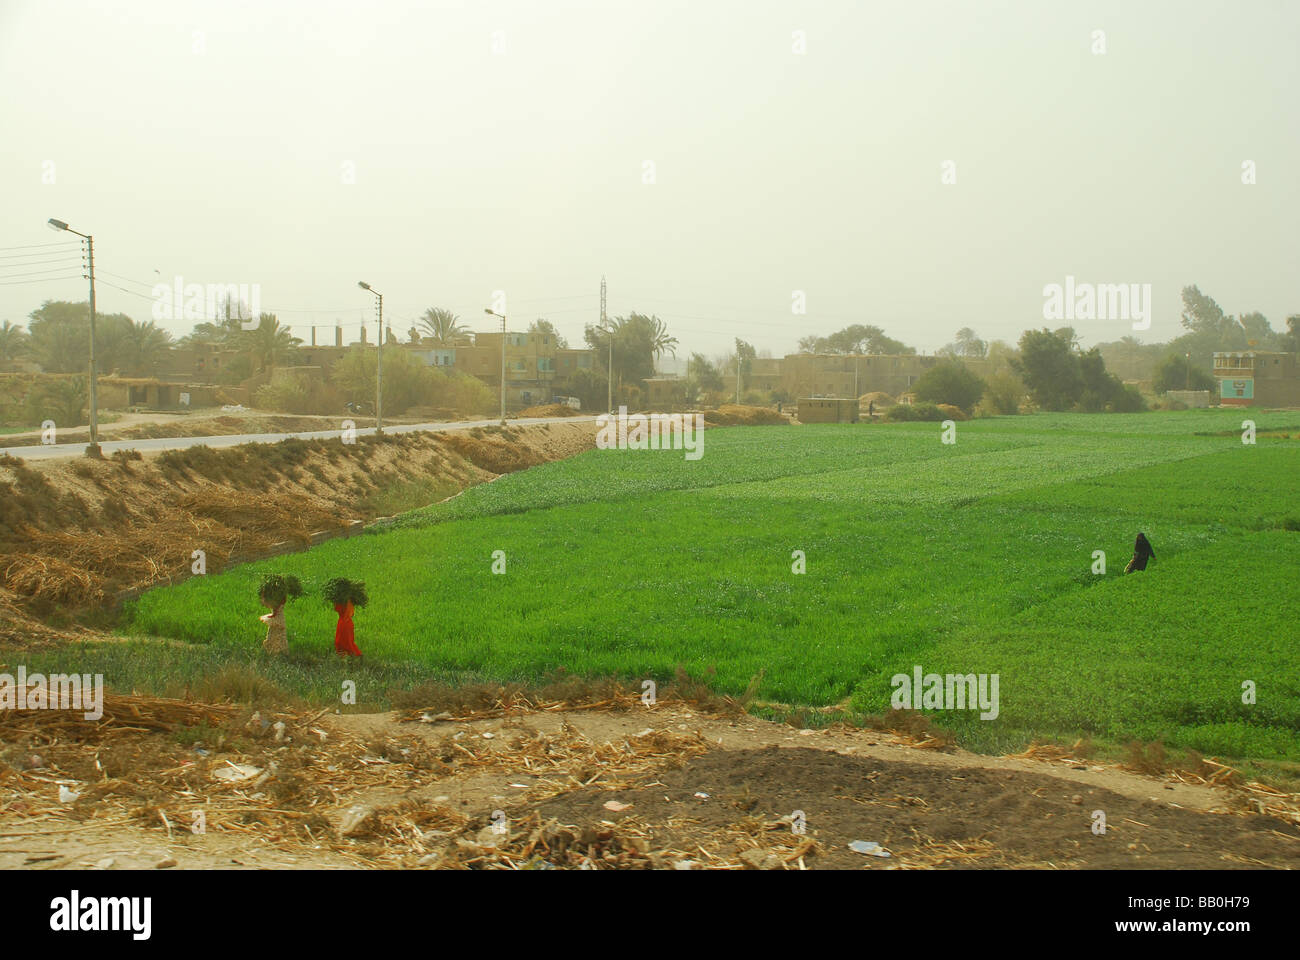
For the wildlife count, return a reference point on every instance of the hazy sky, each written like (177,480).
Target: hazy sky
(213,140)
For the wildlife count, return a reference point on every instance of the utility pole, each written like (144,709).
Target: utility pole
(93,449)
(491,312)
(379,362)
(737,371)
(604,325)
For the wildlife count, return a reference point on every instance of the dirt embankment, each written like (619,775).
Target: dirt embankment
(160,426)
(74,533)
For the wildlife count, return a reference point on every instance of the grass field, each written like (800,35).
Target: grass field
(974,557)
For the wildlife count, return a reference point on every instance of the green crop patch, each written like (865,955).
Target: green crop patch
(973,557)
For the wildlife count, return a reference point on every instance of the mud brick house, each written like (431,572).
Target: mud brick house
(1255,378)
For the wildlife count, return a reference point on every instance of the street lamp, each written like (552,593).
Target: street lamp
(379,360)
(491,312)
(92,450)
(609,380)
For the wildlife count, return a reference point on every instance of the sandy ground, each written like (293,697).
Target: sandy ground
(674,786)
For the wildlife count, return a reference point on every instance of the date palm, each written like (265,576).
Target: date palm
(13,341)
(660,341)
(271,343)
(442,326)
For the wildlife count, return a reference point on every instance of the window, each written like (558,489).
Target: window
(545,363)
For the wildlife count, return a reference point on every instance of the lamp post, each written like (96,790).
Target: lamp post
(609,329)
(491,312)
(93,449)
(379,360)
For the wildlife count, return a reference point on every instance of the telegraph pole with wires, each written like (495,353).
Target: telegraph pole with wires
(604,325)
(93,449)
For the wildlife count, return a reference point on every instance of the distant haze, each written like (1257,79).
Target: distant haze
(213,141)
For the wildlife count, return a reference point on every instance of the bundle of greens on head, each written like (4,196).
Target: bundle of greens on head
(341,591)
(278,589)
(275,591)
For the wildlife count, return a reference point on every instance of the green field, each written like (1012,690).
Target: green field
(967,558)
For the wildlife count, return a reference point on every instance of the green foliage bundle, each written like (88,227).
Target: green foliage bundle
(278,589)
(339,591)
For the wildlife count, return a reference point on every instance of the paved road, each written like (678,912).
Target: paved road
(54,450)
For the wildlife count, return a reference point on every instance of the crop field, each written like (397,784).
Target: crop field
(974,557)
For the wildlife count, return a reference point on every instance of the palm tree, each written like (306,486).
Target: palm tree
(443,326)
(660,341)
(13,341)
(271,343)
(148,343)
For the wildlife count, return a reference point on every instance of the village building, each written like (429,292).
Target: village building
(1257,378)
(852,375)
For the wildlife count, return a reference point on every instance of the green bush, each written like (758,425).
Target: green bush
(1003,393)
(1176,373)
(1126,400)
(294,392)
(408,382)
(62,401)
(952,383)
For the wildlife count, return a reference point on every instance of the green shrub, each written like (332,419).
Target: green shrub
(952,383)
(1003,393)
(62,401)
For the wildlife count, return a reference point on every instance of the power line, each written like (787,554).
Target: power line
(36,273)
(70,251)
(37,263)
(10,283)
(127,279)
(134,293)
(33,246)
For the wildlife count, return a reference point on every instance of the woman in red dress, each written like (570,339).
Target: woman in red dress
(344,637)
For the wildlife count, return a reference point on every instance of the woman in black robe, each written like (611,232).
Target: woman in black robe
(1142,552)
